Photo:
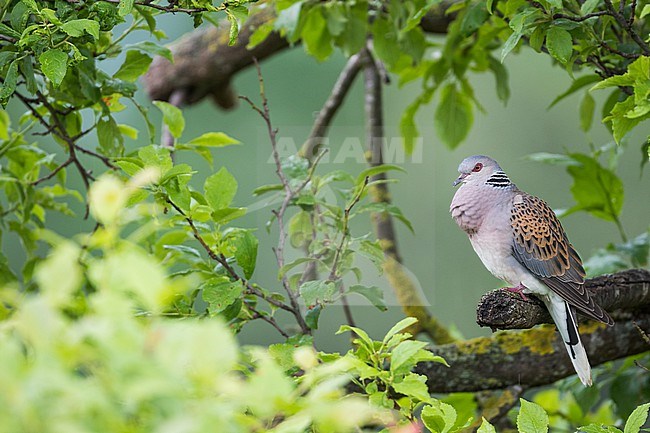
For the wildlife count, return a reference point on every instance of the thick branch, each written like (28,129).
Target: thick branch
(528,358)
(405,290)
(626,290)
(341,88)
(537,356)
(204,63)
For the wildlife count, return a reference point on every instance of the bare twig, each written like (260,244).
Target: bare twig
(341,247)
(331,106)
(221,259)
(289,194)
(53,172)
(268,319)
(627,25)
(619,52)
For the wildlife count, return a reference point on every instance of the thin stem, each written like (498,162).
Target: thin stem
(221,259)
(53,172)
(627,26)
(268,319)
(289,194)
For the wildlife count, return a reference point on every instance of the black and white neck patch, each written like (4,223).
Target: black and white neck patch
(499,180)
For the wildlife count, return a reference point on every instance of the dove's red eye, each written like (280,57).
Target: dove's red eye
(477,167)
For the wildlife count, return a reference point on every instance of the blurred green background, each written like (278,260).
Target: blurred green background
(438,255)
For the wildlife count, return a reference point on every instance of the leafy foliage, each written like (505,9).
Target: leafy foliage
(87,322)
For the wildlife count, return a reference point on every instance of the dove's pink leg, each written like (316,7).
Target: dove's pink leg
(519,289)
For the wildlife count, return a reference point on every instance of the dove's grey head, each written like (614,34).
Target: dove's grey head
(479,170)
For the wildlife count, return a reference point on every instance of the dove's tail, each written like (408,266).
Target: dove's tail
(564,317)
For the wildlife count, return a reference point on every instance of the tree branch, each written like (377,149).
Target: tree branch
(204,64)
(326,114)
(626,290)
(402,283)
(289,194)
(537,356)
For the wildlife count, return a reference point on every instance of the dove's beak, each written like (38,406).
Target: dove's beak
(460,179)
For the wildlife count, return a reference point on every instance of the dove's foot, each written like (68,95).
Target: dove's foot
(518,289)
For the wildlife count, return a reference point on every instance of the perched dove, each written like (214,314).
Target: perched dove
(520,240)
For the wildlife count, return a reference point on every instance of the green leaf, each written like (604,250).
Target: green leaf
(220,189)
(551,158)
(288,20)
(133,67)
(576,85)
(220,292)
(176,171)
(637,419)
(385,42)
(213,139)
(267,188)
(245,244)
(475,16)
(151,48)
(587,106)
(532,418)
(54,64)
(407,126)
(77,28)
(172,117)
(536,39)
(598,428)
(10,82)
(300,229)
(260,34)
(125,7)
(589,6)
(644,12)
(374,294)
(486,427)
(501,77)
(109,136)
(621,122)
(453,117)
(413,385)
(399,327)
(315,35)
(596,189)
(299,261)
(363,336)
(403,356)
(234,28)
(156,156)
(312,316)
(5,124)
(373,252)
(510,44)
(559,44)
(440,417)
(318,292)
(225,215)
(373,171)
(129,167)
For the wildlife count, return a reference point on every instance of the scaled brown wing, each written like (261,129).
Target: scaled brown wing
(541,245)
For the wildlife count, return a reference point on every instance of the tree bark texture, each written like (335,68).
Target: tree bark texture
(626,290)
